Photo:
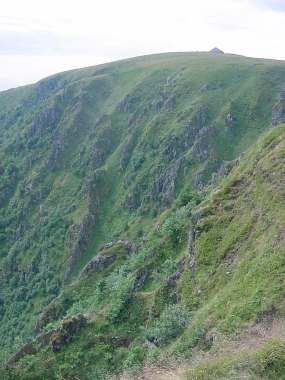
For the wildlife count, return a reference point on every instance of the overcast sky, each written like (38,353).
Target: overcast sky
(39,38)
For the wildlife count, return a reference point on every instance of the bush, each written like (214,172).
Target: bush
(174,226)
(173,320)
(135,358)
(187,197)
(271,359)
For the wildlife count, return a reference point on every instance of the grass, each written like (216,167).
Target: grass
(265,363)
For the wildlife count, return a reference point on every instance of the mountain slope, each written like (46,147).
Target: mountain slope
(123,153)
(231,281)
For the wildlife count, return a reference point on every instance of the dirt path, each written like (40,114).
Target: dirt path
(250,340)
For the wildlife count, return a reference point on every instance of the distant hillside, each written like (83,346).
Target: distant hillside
(115,248)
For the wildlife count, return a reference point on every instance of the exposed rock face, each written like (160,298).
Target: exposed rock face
(55,310)
(172,279)
(164,184)
(98,263)
(70,326)
(127,245)
(48,119)
(78,239)
(98,156)
(57,338)
(161,183)
(202,149)
(107,255)
(278,112)
(223,170)
(160,190)
(192,235)
(204,88)
(191,246)
(45,87)
(127,105)
(141,277)
(57,150)
(229,119)
(127,150)
(11,173)
(103,145)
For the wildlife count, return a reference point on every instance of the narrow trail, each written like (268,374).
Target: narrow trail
(249,341)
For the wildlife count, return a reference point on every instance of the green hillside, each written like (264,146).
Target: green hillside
(130,228)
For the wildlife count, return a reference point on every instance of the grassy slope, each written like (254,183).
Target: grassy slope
(240,240)
(236,285)
(61,171)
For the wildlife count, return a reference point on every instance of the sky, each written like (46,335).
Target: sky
(39,38)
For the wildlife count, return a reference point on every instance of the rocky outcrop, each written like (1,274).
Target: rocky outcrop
(162,188)
(55,310)
(107,254)
(223,171)
(103,144)
(125,244)
(142,276)
(57,338)
(229,119)
(55,154)
(46,86)
(70,326)
(194,128)
(164,183)
(9,178)
(203,149)
(78,237)
(47,120)
(127,150)
(191,246)
(164,178)
(192,235)
(204,87)
(97,264)
(140,103)
(80,234)
(278,112)
(171,280)
(127,105)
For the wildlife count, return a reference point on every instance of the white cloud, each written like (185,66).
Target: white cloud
(91,31)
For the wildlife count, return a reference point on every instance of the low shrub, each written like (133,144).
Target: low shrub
(172,321)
